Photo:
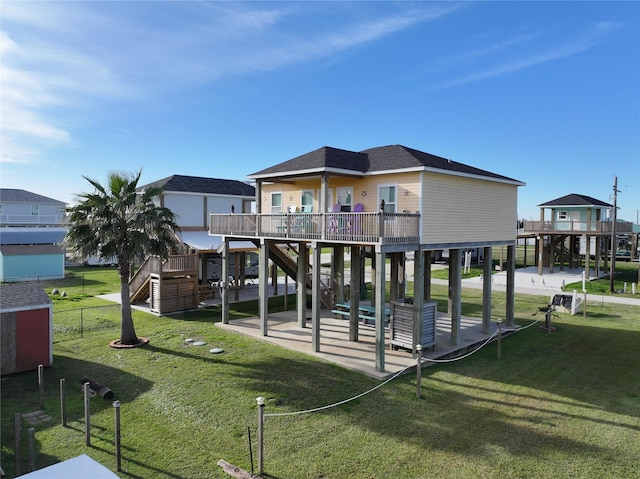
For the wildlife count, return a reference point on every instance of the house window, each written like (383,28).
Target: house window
(276,202)
(562,215)
(35,210)
(345,197)
(387,193)
(306,201)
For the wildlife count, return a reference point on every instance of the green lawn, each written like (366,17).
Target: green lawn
(561,405)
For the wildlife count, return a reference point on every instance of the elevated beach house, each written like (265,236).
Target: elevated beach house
(573,228)
(384,202)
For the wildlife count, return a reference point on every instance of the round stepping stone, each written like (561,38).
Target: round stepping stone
(188,340)
(216,350)
(199,343)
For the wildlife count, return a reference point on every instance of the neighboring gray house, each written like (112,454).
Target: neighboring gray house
(31,231)
(23,208)
(183,280)
(193,198)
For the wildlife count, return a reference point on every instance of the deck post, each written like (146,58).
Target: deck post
(587,256)
(402,273)
(511,289)
(315,298)
(486,290)
(427,275)
(301,281)
(394,287)
(337,270)
(354,291)
(418,300)
(597,255)
(263,285)
(540,252)
(224,290)
(380,307)
(455,294)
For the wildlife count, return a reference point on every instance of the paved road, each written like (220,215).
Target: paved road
(527,281)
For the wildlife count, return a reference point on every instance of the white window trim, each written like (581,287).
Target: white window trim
(302,205)
(389,185)
(281,202)
(349,192)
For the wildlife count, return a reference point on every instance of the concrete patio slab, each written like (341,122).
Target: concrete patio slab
(335,347)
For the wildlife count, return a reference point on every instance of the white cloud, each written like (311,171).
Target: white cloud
(582,42)
(59,58)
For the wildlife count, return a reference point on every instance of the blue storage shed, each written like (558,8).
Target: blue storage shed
(37,262)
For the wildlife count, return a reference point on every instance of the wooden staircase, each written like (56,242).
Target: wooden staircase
(139,288)
(178,275)
(285,257)
(561,252)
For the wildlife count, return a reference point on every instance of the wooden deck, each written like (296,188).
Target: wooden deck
(574,227)
(361,228)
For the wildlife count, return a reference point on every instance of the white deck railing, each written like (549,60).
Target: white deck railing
(344,227)
(34,220)
(570,226)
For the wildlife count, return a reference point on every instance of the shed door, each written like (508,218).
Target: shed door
(33,339)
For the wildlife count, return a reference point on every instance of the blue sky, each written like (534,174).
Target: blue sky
(544,92)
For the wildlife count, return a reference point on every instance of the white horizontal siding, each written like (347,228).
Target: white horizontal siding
(189,209)
(462,210)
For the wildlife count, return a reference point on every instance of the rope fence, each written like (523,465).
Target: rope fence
(420,361)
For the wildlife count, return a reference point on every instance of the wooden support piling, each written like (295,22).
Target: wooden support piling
(41,385)
(63,404)
(17,430)
(31,463)
(116,408)
(87,414)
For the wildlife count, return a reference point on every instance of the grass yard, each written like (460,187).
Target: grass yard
(561,405)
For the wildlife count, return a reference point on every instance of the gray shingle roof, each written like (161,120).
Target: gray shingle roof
(574,199)
(29,249)
(22,196)
(197,184)
(379,159)
(22,295)
(321,159)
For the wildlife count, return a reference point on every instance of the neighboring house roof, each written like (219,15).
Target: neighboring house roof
(21,196)
(576,200)
(29,249)
(31,235)
(372,161)
(18,296)
(197,184)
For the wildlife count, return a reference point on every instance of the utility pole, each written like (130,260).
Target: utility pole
(614,240)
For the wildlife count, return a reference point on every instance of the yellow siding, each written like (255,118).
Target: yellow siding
(365,191)
(457,209)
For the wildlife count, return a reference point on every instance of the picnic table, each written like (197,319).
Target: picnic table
(366,313)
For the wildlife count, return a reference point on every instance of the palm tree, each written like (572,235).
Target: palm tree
(117,221)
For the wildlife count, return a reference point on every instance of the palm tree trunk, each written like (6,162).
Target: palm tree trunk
(127,331)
